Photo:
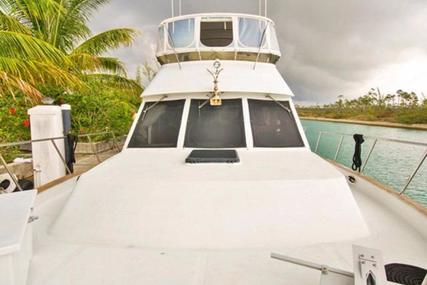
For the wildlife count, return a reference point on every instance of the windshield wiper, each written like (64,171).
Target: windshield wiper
(205,102)
(280,104)
(152,106)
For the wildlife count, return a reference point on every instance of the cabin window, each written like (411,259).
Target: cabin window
(274,42)
(161,40)
(158,125)
(252,32)
(273,124)
(215,127)
(181,33)
(216,33)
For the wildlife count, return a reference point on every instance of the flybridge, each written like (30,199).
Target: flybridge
(217,36)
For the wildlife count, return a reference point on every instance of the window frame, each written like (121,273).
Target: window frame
(233,32)
(266,43)
(244,126)
(295,119)
(168,35)
(137,121)
(246,118)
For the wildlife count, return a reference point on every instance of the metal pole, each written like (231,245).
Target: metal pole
(93,148)
(180,7)
(369,155)
(115,141)
(10,173)
(62,158)
(423,158)
(172,8)
(338,148)
(318,141)
(266,4)
(311,265)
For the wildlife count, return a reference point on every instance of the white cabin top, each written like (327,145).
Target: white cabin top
(223,36)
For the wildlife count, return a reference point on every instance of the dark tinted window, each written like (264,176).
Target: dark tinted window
(272,125)
(215,127)
(158,125)
(216,34)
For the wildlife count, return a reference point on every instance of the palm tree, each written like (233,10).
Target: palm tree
(48,42)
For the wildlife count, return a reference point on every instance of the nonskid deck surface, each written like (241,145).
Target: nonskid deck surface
(162,202)
(57,261)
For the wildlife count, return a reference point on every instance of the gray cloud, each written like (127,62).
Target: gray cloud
(330,47)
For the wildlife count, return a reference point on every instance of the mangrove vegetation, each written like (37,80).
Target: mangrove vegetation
(401,107)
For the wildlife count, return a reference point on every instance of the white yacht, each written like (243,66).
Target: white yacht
(216,184)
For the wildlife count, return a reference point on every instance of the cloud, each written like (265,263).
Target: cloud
(329,47)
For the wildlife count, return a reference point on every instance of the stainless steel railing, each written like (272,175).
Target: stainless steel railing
(52,140)
(422,159)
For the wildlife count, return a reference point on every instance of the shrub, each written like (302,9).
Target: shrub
(99,109)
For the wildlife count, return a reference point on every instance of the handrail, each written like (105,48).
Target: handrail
(52,140)
(376,139)
(18,143)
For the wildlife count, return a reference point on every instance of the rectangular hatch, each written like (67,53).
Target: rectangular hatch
(213,156)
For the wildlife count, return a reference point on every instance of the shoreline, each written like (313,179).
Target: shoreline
(422,127)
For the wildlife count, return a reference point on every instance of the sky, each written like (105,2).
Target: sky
(329,47)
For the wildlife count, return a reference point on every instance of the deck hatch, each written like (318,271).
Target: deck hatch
(213,156)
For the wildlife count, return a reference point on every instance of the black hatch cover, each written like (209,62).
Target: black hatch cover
(213,156)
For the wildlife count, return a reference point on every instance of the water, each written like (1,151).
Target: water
(391,163)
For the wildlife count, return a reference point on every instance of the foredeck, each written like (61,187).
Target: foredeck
(58,262)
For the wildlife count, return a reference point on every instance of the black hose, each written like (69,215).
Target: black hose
(357,157)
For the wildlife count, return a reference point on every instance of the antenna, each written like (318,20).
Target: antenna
(180,7)
(265,8)
(260,7)
(172,8)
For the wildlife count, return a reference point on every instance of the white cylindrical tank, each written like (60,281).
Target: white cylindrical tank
(46,122)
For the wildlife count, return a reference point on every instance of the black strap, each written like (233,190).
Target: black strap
(72,141)
(357,159)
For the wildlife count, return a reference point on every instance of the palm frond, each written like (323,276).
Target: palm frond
(114,82)
(107,40)
(39,73)
(84,8)
(11,84)
(112,64)
(17,45)
(73,27)
(40,15)
(9,23)
(87,63)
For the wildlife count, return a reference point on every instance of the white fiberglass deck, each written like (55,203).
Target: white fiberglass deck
(152,198)
(57,261)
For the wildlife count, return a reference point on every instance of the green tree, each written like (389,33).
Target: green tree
(48,42)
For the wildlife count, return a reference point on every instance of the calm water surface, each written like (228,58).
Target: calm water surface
(391,163)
